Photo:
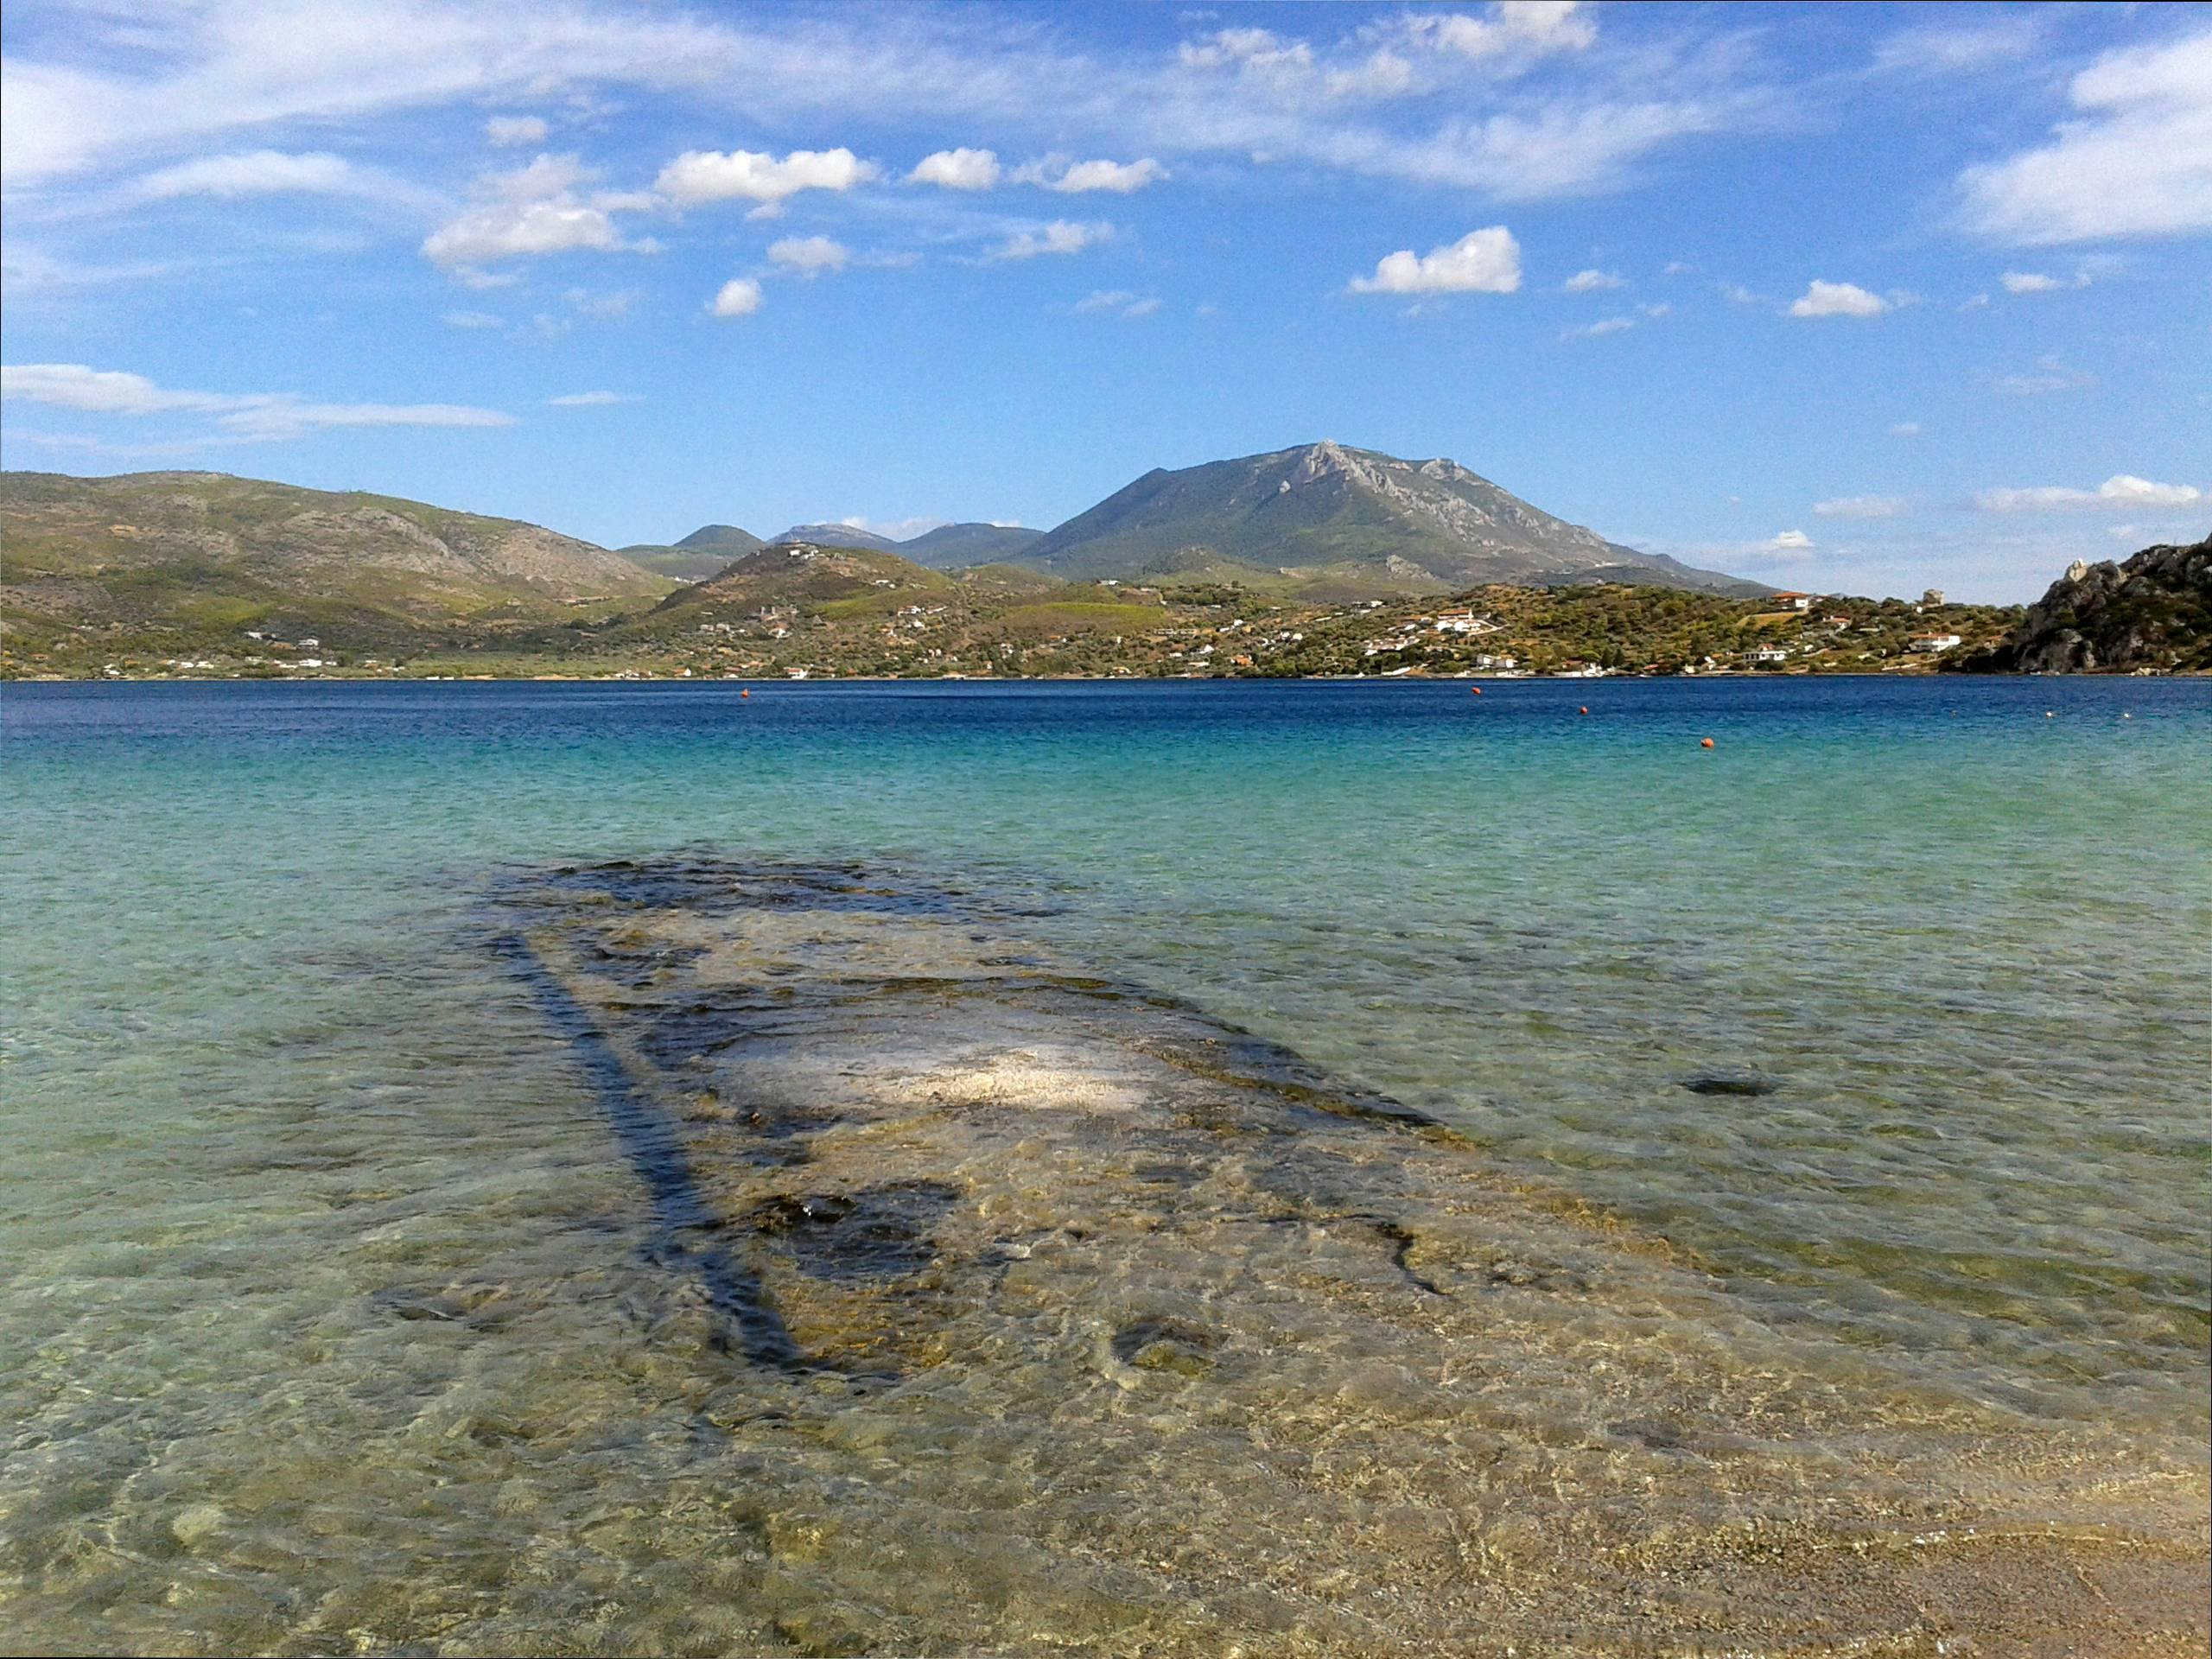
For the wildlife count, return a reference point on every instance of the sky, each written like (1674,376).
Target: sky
(1853,299)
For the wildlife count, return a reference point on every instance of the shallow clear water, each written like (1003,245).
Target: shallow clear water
(259,1064)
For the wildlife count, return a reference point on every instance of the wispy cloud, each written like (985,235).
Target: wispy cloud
(2134,160)
(809,256)
(1589,281)
(1862,506)
(2123,491)
(1061,236)
(243,417)
(590,399)
(1119,301)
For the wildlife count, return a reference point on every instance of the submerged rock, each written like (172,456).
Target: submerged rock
(1058,1314)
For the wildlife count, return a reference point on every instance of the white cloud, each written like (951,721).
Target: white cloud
(1528,27)
(256,173)
(2055,376)
(1119,300)
(1949,48)
(2035,282)
(1905,429)
(698,176)
(590,399)
(2135,160)
(533,211)
(1249,50)
(958,169)
(739,297)
(1662,309)
(516,130)
(2122,490)
(1061,236)
(1120,177)
(1837,300)
(472,320)
(809,256)
(1862,506)
(243,417)
(1482,262)
(1789,541)
(1589,281)
(1603,326)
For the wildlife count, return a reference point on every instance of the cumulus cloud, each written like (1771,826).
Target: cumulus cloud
(1861,506)
(1061,236)
(590,399)
(739,297)
(535,210)
(699,176)
(1120,177)
(243,417)
(809,256)
(2122,490)
(1789,541)
(2135,160)
(958,169)
(516,130)
(1482,262)
(1837,300)
(1589,281)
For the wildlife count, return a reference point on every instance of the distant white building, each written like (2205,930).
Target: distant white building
(1933,642)
(1792,601)
(1769,654)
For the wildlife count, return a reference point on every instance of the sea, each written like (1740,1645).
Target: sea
(1879,1008)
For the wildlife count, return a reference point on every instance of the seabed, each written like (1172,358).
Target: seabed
(1019,1311)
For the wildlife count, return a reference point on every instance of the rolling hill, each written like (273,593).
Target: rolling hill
(204,555)
(1328,518)
(953,546)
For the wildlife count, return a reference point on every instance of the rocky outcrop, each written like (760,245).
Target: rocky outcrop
(2152,613)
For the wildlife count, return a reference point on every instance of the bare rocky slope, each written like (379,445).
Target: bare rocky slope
(2154,613)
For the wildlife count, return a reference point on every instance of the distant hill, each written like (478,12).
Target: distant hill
(1344,520)
(2152,611)
(718,537)
(834,535)
(950,546)
(206,554)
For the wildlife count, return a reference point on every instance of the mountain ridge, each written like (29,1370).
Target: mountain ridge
(1329,513)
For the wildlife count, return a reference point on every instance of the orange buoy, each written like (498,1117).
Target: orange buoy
(1705,742)
(1584,709)
(1477,689)
(747,692)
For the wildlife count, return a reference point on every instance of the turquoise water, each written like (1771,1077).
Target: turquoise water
(255,1055)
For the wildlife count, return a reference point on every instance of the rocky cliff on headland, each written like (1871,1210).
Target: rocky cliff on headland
(2152,613)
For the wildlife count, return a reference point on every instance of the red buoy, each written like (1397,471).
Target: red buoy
(1705,742)
(1477,689)
(1584,709)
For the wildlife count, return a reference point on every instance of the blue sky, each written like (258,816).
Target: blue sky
(1854,298)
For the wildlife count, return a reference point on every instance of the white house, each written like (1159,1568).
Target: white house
(1769,654)
(1934,641)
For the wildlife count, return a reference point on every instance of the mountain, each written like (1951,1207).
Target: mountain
(834,535)
(1327,517)
(2153,611)
(197,557)
(950,546)
(713,538)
